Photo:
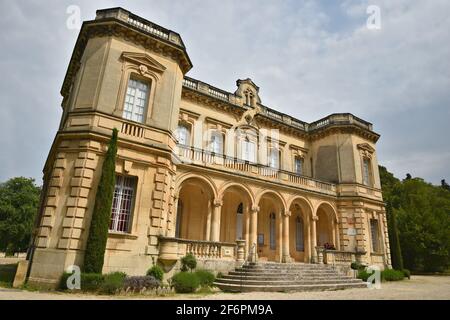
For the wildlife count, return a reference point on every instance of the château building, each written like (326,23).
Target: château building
(199,170)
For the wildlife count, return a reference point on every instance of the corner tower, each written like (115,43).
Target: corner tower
(126,73)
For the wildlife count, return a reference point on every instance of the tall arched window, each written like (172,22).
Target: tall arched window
(274,158)
(272,231)
(136,100)
(239,221)
(183,134)
(179,217)
(248,150)
(299,239)
(216,144)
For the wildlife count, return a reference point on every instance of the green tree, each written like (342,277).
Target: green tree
(19,203)
(389,185)
(101,215)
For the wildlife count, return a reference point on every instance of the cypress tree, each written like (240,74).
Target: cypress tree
(101,215)
(394,241)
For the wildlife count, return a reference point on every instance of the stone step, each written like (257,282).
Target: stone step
(284,272)
(287,277)
(286,268)
(287,288)
(279,283)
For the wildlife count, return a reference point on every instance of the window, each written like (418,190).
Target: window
(374,235)
(136,100)
(298,165)
(366,171)
(122,204)
(272,231)
(216,144)
(274,159)
(183,135)
(299,240)
(239,221)
(248,150)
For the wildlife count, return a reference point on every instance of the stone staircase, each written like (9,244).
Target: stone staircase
(271,276)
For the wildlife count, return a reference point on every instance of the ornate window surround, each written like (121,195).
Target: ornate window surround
(366,153)
(139,66)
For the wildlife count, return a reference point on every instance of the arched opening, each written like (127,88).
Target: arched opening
(235,217)
(269,229)
(194,210)
(300,230)
(326,226)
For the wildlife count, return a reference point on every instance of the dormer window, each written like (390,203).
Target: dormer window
(136,100)
(249,98)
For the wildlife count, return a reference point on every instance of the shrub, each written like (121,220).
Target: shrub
(356,266)
(156,271)
(90,281)
(406,273)
(363,275)
(392,275)
(205,278)
(219,275)
(188,262)
(139,283)
(101,216)
(112,282)
(185,282)
(63,281)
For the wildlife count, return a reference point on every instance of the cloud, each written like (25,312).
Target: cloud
(310,59)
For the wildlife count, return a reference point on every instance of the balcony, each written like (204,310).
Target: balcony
(199,157)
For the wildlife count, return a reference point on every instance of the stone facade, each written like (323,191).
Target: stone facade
(210,167)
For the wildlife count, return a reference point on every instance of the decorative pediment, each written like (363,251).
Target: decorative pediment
(144,61)
(366,147)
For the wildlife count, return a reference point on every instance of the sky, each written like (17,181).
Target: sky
(309,58)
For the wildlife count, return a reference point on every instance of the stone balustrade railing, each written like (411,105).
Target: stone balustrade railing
(140,23)
(171,249)
(337,257)
(192,155)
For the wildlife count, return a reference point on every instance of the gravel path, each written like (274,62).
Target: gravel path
(419,287)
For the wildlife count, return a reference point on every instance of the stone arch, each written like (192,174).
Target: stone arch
(196,196)
(184,177)
(223,188)
(327,224)
(237,200)
(275,194)
(300,245)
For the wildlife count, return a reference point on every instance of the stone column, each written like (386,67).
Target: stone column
(208,221)
(215,223)
(333,233)
(286,257)
(314,239)
(253,251)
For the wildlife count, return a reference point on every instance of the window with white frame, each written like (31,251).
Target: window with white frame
(272,231)
(122,205)
(366,171)
(298,165)
(274,158)
(136,100)
(248,150)
(216,144)
(374,232)
(299,239)
(183,134)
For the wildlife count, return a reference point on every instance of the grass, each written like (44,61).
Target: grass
(7,274)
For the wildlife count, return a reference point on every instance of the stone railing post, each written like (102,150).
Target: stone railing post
(240,252)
